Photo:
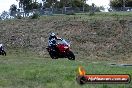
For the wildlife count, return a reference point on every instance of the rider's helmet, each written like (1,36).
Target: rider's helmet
(1,44)
(52,34)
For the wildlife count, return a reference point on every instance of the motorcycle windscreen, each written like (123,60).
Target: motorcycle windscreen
(63,41)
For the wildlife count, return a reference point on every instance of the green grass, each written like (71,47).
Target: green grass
(36,72)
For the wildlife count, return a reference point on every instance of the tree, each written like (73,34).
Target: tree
(49,3)
(35,5)
(13,10)
(77,3)
(29,4)
(72,3)
(64,3)
(116,3)
(25,4)
(5,15)
(129,3)
(121,3)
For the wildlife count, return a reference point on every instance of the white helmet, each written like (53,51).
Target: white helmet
(1,45)
(52,34)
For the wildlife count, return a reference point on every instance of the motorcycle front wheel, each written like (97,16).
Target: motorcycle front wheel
(3,53)
(70,55)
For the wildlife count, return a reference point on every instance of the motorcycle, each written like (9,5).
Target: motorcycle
(61,50)
(2,52)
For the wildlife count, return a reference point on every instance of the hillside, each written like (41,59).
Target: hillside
(102,35)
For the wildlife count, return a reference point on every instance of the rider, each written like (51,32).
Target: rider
(52,40)
(1,47)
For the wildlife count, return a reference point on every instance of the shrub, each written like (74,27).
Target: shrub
(19,17)
(35,16)
(91,13)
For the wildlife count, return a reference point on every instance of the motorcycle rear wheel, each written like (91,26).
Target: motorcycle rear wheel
(53,55)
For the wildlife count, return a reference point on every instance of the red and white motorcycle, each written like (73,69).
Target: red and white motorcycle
(62,50)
